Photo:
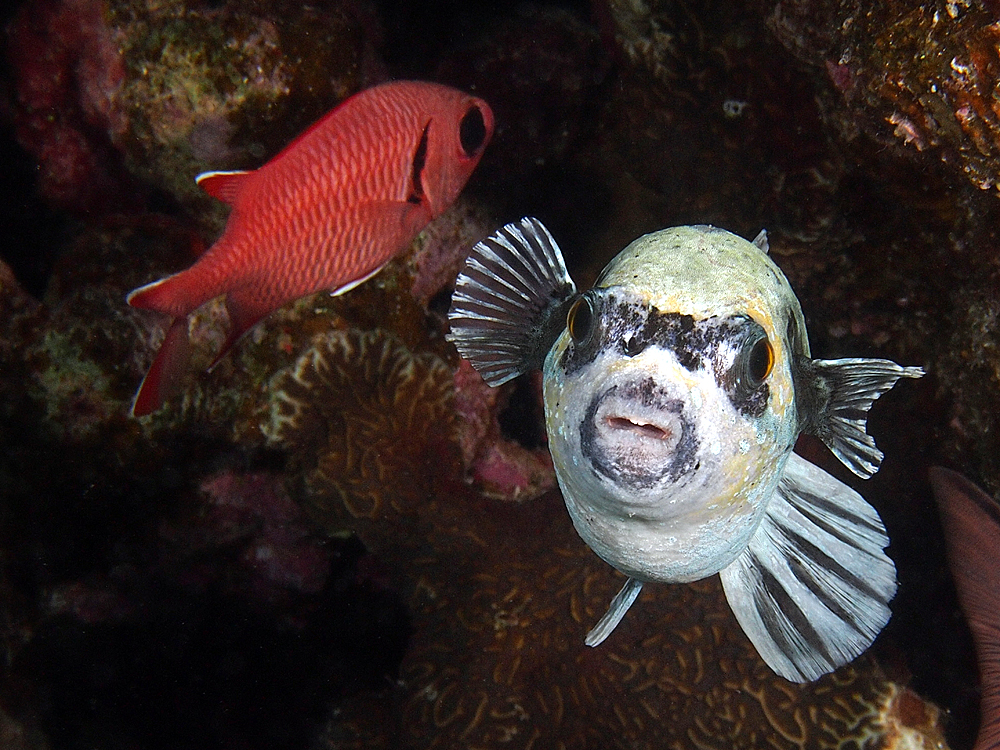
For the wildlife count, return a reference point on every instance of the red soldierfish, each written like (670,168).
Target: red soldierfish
(326,213)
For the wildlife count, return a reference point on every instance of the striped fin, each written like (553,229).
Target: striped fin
(510,301)
(834,398)
(812,589)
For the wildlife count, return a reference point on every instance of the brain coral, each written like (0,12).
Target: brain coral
(500,595)
(366,422)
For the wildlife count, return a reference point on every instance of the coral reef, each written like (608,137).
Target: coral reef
(729,134)
(169,90)
(441,248)
(918,77)
(159,586)
(82,325)
(227,87)
(500,468)
(67,73)
(971,364)
(496,660)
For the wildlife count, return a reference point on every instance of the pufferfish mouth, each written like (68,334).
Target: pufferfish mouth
(638,435)
(640,428)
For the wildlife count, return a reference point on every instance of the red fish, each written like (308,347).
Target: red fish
(326,213)
(971,521)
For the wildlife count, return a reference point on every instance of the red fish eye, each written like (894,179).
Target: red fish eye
(472,131)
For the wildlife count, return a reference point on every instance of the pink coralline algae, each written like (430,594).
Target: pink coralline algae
(442,247)
(243,537)
(278,551)
(500,467)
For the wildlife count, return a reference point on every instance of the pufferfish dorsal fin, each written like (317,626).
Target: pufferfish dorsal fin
(833,397)
(812,589)
(761,241)
(510,301)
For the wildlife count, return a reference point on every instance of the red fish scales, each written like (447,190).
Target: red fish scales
(328,211)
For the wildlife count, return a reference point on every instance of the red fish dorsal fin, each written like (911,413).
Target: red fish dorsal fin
(222,185)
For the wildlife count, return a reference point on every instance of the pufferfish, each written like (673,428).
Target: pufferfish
(674,392)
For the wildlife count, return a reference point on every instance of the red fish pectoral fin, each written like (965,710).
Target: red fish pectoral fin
(162,382)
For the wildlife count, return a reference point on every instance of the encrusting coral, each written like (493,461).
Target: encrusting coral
(919,76)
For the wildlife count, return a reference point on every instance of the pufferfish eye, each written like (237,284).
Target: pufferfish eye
(758,362)
(581,321)
(750,360)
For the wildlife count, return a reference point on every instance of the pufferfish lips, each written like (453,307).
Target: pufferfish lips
(638,434)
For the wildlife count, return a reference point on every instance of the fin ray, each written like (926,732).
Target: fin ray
(505,312)
(971,522)
(225,186)
(836,397)
(812,589)
(761,241)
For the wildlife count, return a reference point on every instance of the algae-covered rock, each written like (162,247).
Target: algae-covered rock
(226,87)
(919,77)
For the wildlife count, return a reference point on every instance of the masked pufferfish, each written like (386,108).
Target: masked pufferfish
(674,392)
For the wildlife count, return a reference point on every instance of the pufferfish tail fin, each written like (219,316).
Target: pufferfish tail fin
(834,396)
(812,589)
(510,301)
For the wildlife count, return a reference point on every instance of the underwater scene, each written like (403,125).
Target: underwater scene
(342,405)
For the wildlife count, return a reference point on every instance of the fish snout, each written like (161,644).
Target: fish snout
(639,435)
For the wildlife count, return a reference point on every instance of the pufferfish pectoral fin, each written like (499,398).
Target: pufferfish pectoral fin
(812,589)
(834,396)
(510,301)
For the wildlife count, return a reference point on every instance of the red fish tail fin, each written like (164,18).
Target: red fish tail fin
(162,382)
